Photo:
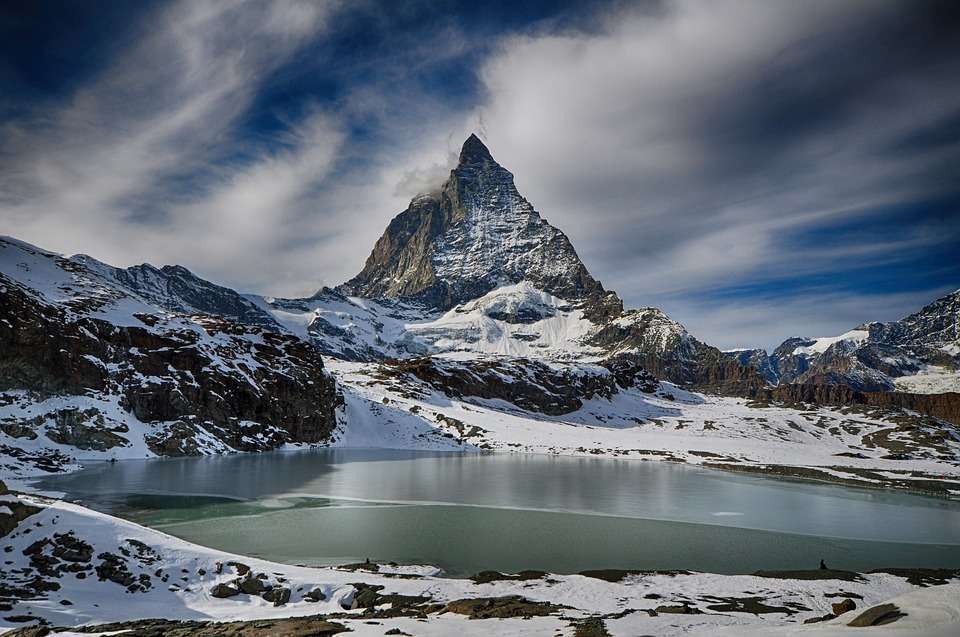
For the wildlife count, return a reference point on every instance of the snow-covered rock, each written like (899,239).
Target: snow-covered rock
(91,368)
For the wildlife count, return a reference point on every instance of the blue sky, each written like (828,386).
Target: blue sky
(758,169)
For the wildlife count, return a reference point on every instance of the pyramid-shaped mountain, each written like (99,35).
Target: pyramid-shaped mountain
(472,235)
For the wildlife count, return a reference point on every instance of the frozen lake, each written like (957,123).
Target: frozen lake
(469,512)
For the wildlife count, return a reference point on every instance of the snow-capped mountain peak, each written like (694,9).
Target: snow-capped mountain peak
(473,235)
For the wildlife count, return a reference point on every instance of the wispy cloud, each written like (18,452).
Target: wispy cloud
(140,162)
(698,153)
(692,148)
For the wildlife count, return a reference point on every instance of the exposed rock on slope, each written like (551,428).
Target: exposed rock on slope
(945,406)
(759,360)
(528,384)
(85,361)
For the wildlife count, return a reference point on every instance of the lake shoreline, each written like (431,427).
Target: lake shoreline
(680,511)
(406,598)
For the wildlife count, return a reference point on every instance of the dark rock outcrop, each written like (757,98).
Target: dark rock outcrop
(877,616)
(222,591)
(316,626)
(943,406)
(528,384)
(839,608)
(759,360)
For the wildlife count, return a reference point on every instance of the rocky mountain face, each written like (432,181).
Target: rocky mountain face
(759,360)
(474,234)
(473,267)
(919,353)
(91,364)
(529,384)
(937,326)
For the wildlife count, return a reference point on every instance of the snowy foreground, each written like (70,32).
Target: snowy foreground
(96,569)
(107,570)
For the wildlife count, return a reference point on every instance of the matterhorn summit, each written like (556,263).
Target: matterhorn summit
(473,234)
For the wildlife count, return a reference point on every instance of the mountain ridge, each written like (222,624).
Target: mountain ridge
(90,364)
(919,352)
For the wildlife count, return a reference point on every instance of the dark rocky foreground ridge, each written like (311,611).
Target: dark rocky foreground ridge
(195,380)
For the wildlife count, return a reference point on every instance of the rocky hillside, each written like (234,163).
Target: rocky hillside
(528,384)
(759,360)
(91,364)
(919,353)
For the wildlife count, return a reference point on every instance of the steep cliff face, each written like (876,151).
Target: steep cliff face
(476,233)
(759,360)
(86,362)
(945,406)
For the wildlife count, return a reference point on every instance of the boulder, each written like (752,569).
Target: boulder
(877,616)
(252,585)
(279,595)
(845,606)
(242,569)
(682,609)
(222,591)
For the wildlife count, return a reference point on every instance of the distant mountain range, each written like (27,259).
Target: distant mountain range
(919,353)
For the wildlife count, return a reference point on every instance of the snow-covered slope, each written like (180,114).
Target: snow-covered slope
(402,407)
(516,320)
(90,367)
